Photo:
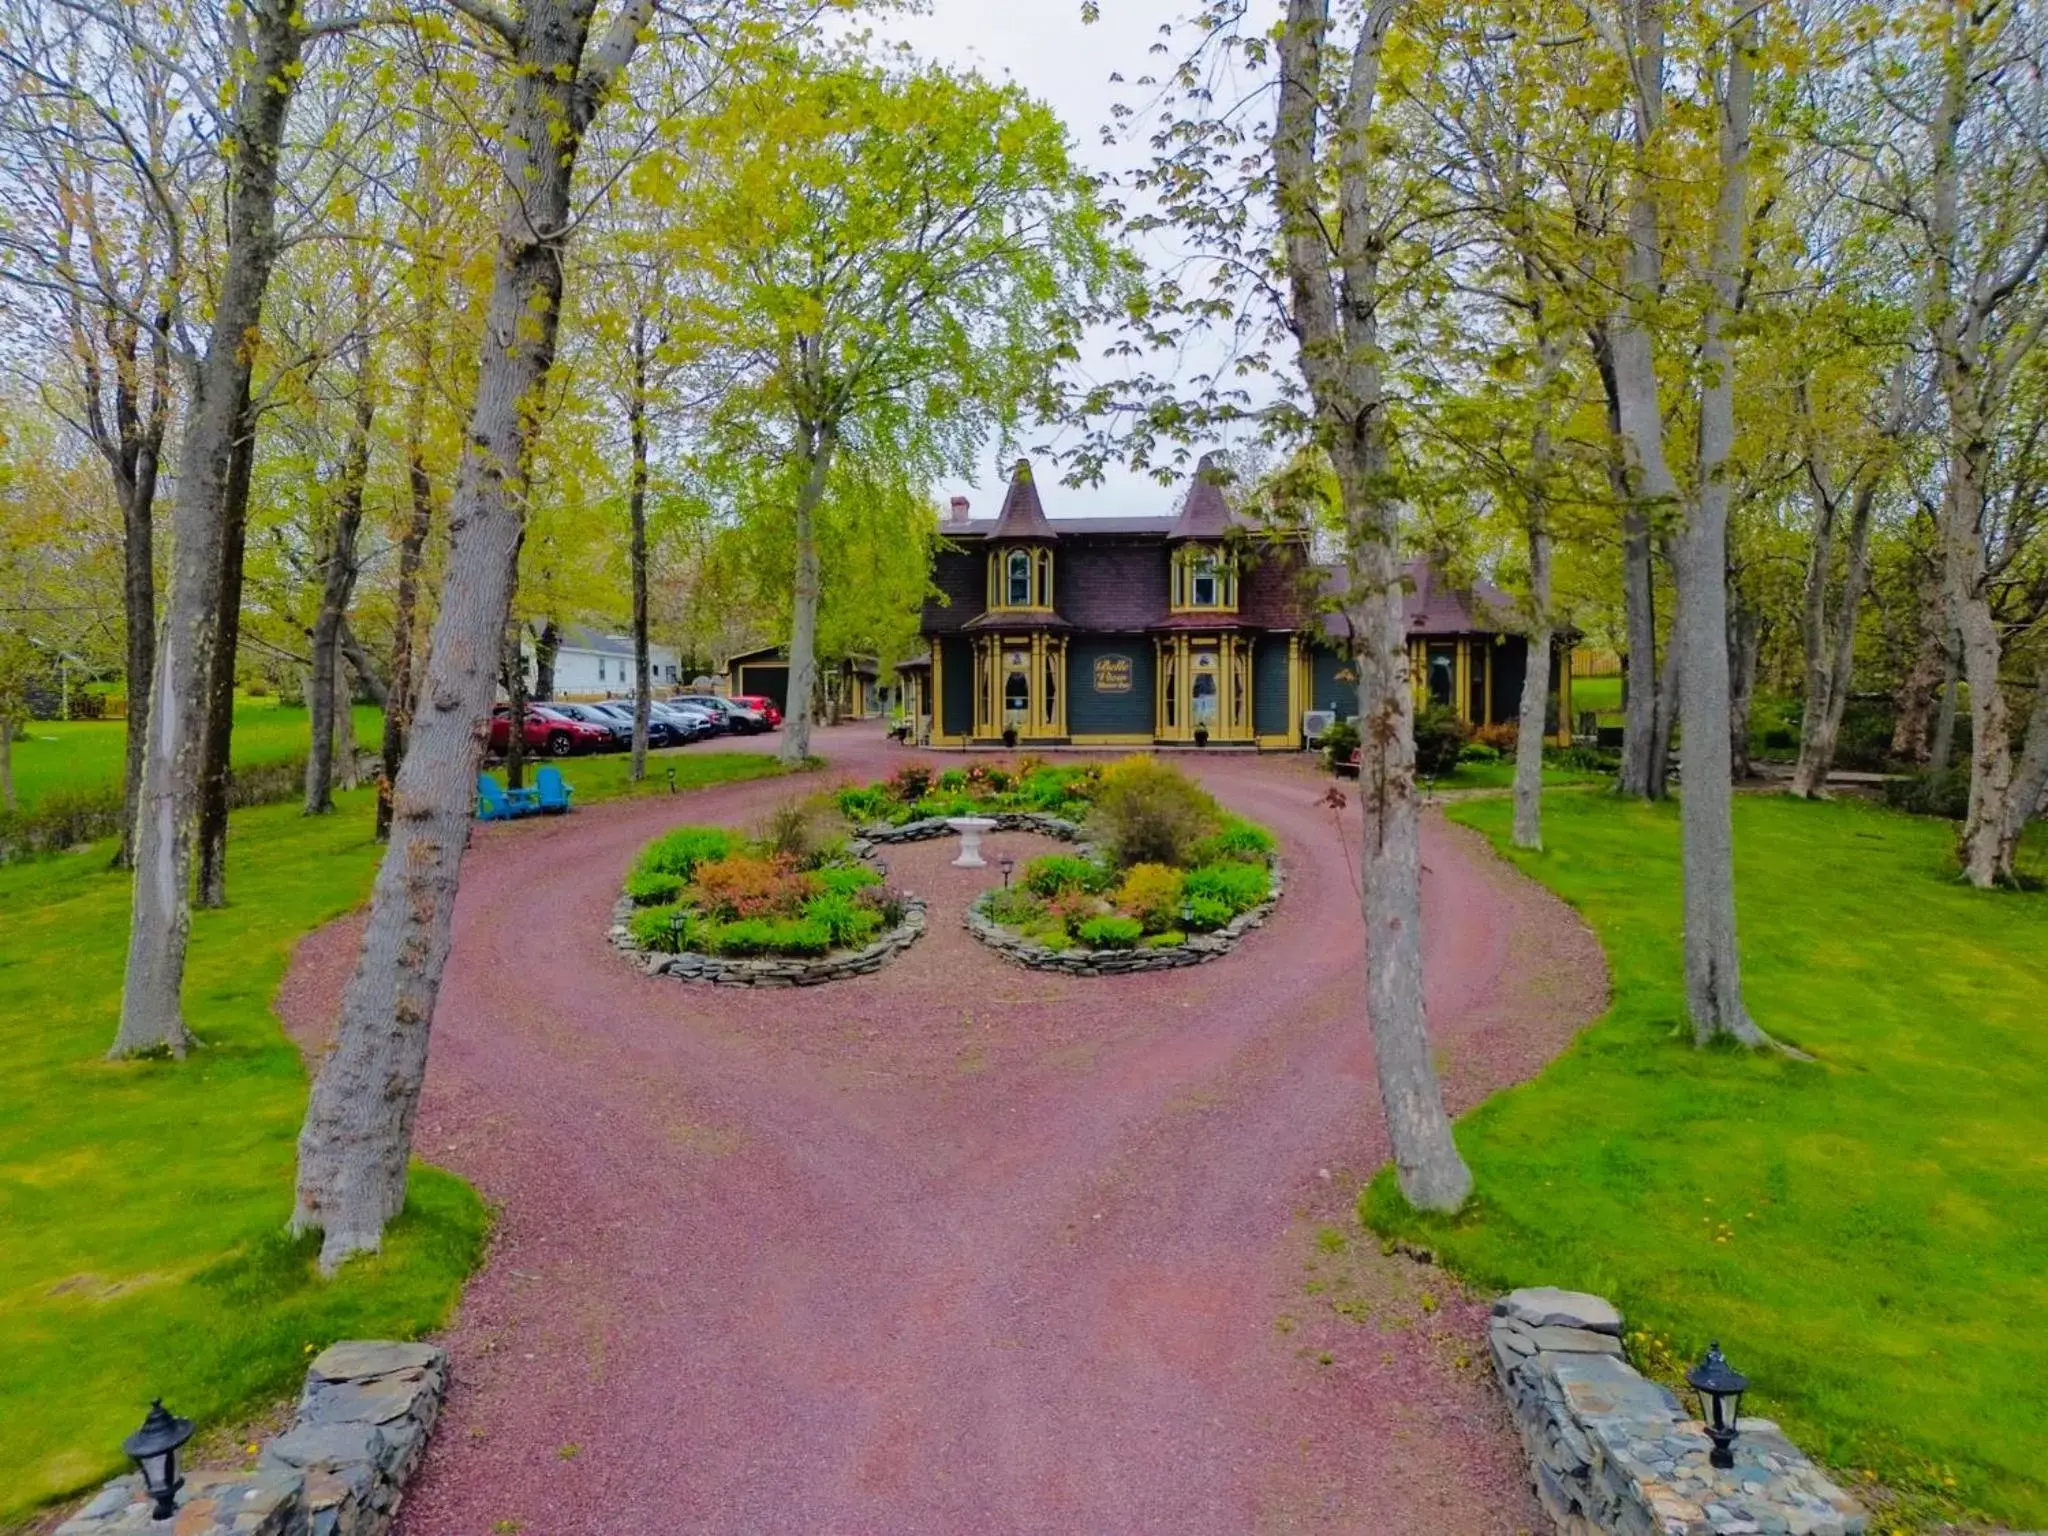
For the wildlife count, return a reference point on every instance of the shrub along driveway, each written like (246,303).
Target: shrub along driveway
(957,1246)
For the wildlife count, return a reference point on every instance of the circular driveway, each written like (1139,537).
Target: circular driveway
(957,1247)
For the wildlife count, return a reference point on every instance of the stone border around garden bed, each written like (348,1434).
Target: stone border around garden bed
(1613,1452)
(770,970)
(358,1434)
(1198,950)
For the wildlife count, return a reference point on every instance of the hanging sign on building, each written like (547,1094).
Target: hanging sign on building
(1112,674)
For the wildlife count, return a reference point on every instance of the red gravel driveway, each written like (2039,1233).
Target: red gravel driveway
(957,1247)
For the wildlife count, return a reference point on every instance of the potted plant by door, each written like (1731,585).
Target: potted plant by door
(1201,735)
(1010,736)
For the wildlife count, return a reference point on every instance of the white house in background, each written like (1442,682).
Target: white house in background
(589,665)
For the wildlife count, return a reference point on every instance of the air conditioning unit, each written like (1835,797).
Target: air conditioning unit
(1316,723)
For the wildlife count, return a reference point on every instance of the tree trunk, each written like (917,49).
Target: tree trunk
(1932,659)
(1713,976)
(7,796)
(357,1137)
(1829,639)
(2030,778)
(400,700)
(1943,750)
(404,691)
(1664,718)
(1340,360)
(636,509)
(217,773)
(515,694)
(1744,641)
(337,586)
(138,596)
(546,646)
(1972,386)
(1639,733)
(1535,703)
(819,444)
(151,1013)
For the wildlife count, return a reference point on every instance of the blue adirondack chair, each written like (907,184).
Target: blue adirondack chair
(494,802)
(552,791)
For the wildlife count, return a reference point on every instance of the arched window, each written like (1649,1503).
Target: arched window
(1019,579)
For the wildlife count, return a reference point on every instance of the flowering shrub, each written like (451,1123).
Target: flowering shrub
(909,782)
(753,898)
(1148,813)
(745,885)
(1151,894)
(1501,737)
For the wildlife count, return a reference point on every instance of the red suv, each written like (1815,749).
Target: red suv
(763,706)
(546,731)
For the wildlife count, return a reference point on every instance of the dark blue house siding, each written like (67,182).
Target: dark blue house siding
(956,659)
(1326,689)
(1510,663)
(1090,713)
(1269,686)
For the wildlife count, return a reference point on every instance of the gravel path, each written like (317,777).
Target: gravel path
(957,1247)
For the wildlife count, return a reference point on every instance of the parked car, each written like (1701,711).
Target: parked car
(621,734)
(661,732)
(740,720)
(762,705)
(546,731)
(695,724)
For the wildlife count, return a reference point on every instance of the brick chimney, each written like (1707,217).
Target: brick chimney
(956,511)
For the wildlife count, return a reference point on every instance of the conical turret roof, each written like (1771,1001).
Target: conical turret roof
(1204,514)
(1023,515)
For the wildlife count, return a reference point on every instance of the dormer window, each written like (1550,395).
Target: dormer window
(1204,578)
(1020,578)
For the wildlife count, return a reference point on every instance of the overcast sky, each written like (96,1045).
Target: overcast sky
(1046,48)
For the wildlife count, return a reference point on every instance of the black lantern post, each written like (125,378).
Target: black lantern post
(1006,864)
(1720,1387)
(155,1450)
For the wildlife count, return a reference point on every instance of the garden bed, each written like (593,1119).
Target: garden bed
(1163,876)
(783,909)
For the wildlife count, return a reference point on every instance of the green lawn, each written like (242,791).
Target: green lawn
(142,1204)
(1868,1233)
(1602,695)
(90,754)
(1501,775)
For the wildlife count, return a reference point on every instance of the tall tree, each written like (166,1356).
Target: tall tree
(152,1017)
(1323,137)
(1713,982)
(357,1137)
(339,568)
(1985,216)
(894,262)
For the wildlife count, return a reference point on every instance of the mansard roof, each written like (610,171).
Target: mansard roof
(1023,515)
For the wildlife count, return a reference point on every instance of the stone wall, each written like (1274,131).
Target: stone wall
(771,970)
(357,1436)
(1611,1451)
(1196,949)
